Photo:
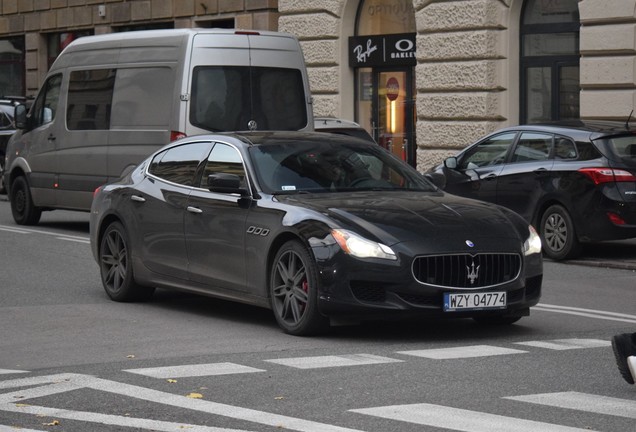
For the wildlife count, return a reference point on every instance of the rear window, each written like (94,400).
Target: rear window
(227,98)
(623,146)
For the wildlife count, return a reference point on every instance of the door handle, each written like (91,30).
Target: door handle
(51,137)
(490,176)
(137,198)
(195,210)
(540,171)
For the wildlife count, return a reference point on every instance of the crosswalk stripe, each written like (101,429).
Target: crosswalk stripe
(4,428)
(461,419)
(462,352)
(197,370)
(567,344)
(11,371)
(333,361)
(583,402)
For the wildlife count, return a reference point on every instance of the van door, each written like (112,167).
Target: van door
(241,82)
(41,142)
(82,151)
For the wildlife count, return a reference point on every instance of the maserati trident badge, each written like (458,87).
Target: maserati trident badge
(472,273)
(470,244)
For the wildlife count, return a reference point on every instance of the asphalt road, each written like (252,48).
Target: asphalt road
(72,360)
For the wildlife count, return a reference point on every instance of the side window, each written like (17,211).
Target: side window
(532,147)
(587,151)
(90,96)
(489,152)
(45,106)
(223,159)
(179,164)
(564,148)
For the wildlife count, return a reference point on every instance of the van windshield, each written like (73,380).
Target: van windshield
(227,98)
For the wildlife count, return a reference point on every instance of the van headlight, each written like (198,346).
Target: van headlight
(353,244)
(532,245)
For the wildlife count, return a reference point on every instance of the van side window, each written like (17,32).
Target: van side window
(45,106)
(90,95)
(179,164)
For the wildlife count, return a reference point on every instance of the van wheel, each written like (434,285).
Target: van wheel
(558,234)
(115,265)
(22,207)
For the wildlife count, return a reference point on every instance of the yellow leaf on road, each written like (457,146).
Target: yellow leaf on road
(195,395)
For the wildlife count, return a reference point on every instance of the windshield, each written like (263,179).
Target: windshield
(326,166)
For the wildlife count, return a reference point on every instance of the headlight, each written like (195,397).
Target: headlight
(532,244)
(352,244)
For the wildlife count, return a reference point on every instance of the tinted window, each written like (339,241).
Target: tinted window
(45,106)
(624,146)
(179,164)
(532,147)
(564,148)
(90,95)
(492,151)
(228,98)
(223,159)
(587,151)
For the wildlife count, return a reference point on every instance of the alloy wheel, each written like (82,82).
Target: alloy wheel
(290,289)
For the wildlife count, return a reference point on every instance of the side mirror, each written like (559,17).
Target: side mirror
(226,183)
(451,162)
(20,116)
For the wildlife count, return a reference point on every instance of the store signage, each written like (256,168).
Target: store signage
(382,50)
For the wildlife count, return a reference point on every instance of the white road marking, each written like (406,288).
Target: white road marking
(583,402)
(462,352)
(333,361)
(81,239)
(460,419)
(197,370)
(17,429)
(11,371)
(589,313)
(53,384)
(567,344)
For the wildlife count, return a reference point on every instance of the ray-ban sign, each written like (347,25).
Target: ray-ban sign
(383,50)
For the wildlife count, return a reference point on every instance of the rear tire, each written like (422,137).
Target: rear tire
(115,265)
(294,291)
(22,207)
(558,234)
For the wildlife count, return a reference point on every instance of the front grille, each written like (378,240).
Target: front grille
(466,270)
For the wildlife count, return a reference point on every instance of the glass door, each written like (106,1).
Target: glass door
(394,111)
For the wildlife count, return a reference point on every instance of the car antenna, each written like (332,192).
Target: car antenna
(628,119)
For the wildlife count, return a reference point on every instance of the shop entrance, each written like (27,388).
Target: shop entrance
(393,112)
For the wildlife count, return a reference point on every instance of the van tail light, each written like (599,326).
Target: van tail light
(606,175)
(175,135)
(96,191)
(615,219)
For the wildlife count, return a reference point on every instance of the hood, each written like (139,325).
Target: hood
(395,217)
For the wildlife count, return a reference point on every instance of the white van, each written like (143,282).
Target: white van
(108,101)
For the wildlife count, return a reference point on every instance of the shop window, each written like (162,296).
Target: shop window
(12,67)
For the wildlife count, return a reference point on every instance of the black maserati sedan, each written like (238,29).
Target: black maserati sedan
(575,181)
(319,227)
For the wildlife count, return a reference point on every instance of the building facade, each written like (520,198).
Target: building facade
(425,77)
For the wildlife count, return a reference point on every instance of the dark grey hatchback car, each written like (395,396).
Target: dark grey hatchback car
(574,181)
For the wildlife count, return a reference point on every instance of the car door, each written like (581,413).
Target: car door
(215,226)
(525,179)
(160,206)
(478,168)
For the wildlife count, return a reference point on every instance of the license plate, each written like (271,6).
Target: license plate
(474,301)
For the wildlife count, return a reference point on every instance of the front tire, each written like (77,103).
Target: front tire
(115,264)
(294,291)
(22,207)
(558,234)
